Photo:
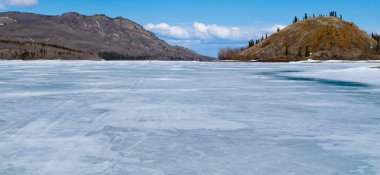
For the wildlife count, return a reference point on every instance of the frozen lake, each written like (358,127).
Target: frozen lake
(188,118)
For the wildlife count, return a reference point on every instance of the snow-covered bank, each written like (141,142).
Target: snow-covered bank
(336,61)
(366,75)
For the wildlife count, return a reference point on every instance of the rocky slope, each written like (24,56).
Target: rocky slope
(115,38)
(317,38)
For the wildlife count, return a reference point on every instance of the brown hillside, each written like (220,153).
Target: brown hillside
(119,38)
(324,37)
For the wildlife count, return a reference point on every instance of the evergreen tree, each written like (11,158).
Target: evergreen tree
(299,52)
(278,29)
(24,54)
(266,35)
(307,52)
(251,43)
(295,20)
(341,17)
(305,17)
(286,50)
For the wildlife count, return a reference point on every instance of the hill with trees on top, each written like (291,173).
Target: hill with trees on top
(320,38)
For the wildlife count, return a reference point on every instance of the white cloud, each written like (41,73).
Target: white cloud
(167,30)
(204,31)
(21,3)
(199,31)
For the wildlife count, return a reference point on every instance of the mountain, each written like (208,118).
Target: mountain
(77,36)
(319,38)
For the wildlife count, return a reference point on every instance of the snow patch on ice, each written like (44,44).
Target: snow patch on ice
(364,75)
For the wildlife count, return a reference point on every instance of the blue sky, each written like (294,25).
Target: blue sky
(207,25)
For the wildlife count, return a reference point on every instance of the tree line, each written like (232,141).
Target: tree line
(25,54)
(253,42)
(113,56)
(36,50)
(229,53)
(38,43)
(376,37)
(31,54)
(306,16)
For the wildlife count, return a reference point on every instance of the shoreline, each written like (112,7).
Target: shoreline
(214,61)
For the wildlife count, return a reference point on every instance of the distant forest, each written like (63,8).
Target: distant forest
(376,37)
(33,50)
(113,56)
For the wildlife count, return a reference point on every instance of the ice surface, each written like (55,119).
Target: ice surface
(99,118)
